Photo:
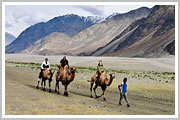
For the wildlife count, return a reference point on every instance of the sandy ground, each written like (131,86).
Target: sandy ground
(153,64)
(146,96)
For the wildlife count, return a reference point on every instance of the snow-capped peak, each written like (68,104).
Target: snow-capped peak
(94,19)
(114,14)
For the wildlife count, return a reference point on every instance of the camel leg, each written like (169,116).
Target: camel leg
(65,91)
(91,89)
(44,85)
(95,90)
(38,81)
(55,87)
(37,85)
(49,85)
(58,87)
(103,89)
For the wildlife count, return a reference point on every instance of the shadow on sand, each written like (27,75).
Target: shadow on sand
(47,90)
(40,88)
(81,94)
(73,92)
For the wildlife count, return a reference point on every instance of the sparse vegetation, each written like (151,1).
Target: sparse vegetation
(152,75)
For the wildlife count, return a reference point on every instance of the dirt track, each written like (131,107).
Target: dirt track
(23,98)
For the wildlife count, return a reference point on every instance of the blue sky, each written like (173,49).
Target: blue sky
(19,17)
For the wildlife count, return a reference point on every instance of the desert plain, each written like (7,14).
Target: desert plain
(151,86)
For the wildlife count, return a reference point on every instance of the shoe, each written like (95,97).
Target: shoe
(128,105)
(120,104)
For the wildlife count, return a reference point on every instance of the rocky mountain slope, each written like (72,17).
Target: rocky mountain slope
(92,37)
(100,34)
(51,44)
(69,24)
(153,36)
(9,38)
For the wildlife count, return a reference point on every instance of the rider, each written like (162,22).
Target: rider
(100,69)
(44,65)
(63,62)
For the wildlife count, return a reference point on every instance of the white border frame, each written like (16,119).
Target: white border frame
(89,116)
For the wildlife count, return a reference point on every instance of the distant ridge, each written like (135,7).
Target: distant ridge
(9,38)
(70,24)
(153,36)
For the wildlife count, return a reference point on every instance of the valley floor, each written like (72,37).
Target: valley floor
(148,95)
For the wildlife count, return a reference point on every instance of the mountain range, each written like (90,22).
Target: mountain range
(153,36)
(100,34)
(143,32)
(94,36)
(69,24)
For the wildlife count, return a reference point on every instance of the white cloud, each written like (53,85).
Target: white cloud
(95,10)
(19,15)
(36,17)
(29,18)
(8,24)
(18,19)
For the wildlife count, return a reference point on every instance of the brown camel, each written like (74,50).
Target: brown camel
(66,77)
(46,75)
(104,82)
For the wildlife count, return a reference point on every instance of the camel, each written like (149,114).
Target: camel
(46,75)
(104,82)
(66,77)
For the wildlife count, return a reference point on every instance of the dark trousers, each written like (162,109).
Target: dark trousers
(123,95)
(98,77)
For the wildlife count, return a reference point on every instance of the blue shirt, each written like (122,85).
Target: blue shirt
(124,90)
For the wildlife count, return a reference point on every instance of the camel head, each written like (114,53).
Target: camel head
(112,76)
(52,71)
(51,74)
(109,81)
(73,70)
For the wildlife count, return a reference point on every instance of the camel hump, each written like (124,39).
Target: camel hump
(104,73)
(66,67)
(45,70)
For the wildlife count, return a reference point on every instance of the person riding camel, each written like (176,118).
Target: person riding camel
(100,69)
(63,62)
(44,65)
